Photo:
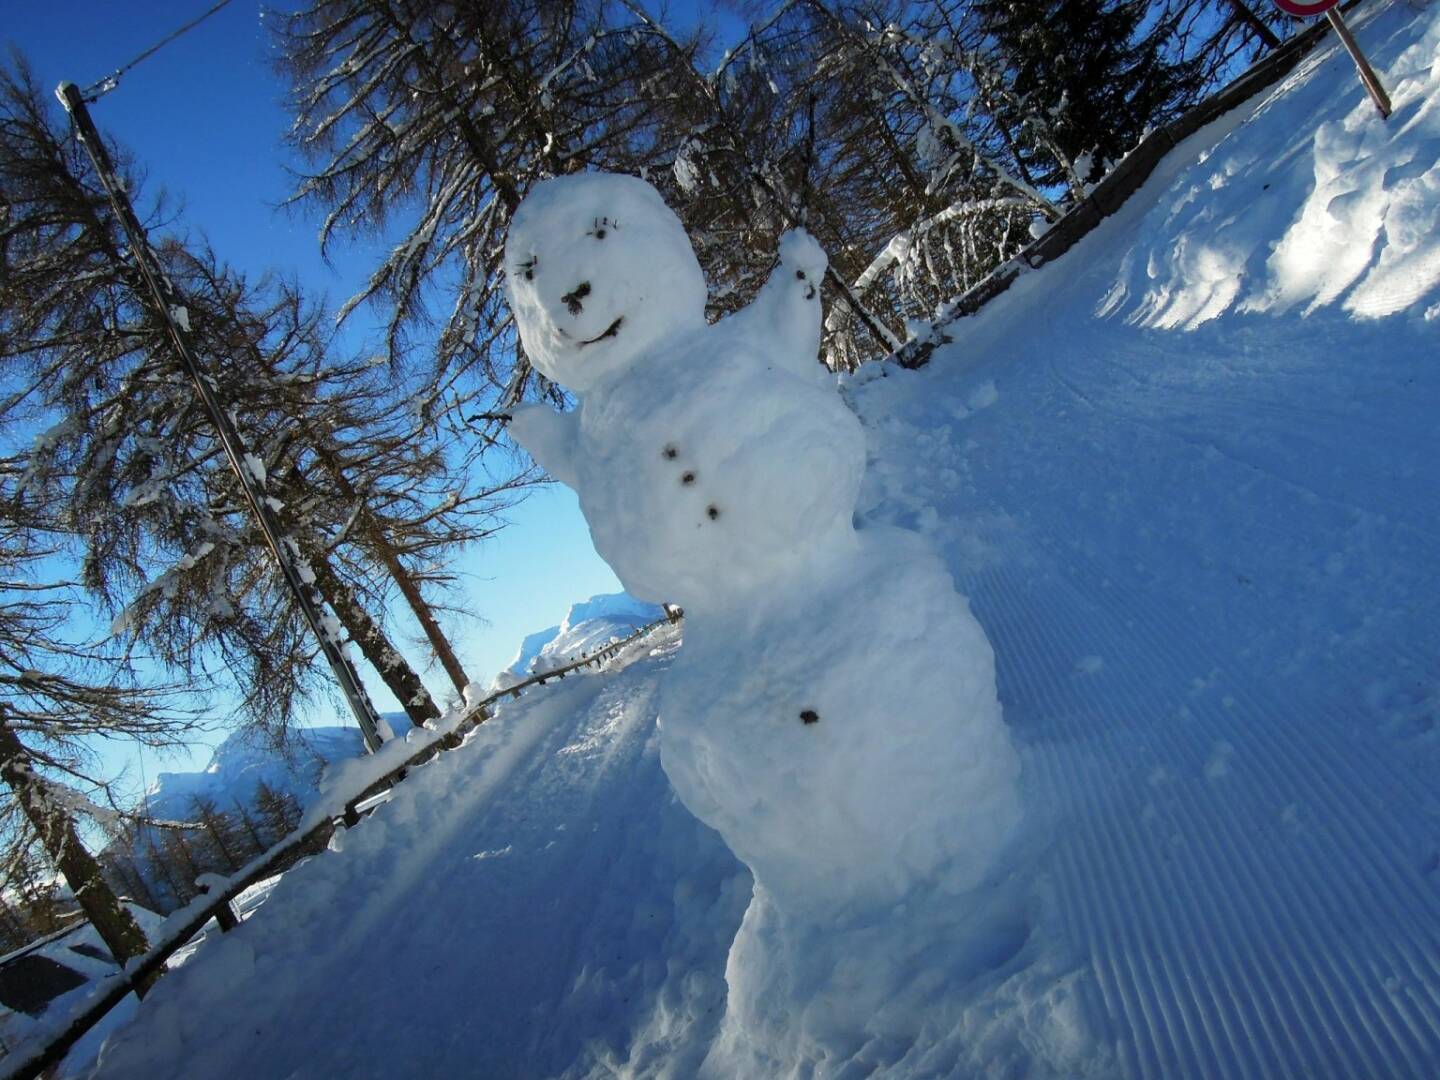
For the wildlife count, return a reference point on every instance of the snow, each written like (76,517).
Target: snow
(597,270)
(255,467)
(63,948)
(662,459)
(662,898)
(1195,517)
(1367,233)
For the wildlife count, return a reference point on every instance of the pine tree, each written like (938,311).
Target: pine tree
(1216,34)
(255,843)
(163,870)
(224,851)
(278,811)
(1086,79)
(14,928)
(46,809)
(123,871)
(59,693)
(431,121)
(180,856)
(139,471)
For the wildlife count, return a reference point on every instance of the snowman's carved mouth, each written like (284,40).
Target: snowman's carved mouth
(610,331)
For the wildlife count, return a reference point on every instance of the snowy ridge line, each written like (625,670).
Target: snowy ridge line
(312,837)
(1113,190)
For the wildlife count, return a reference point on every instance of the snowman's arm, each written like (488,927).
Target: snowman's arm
(550,437)
(786,313)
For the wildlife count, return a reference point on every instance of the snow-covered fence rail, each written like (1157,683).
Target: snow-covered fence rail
(1112,192)
(380,773)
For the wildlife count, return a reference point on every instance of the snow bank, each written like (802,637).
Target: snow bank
(1338,207)
(538,899)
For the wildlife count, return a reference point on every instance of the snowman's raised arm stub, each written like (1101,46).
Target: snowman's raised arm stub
(549,437)
(786,312)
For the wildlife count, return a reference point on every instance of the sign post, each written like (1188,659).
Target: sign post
(1331,10)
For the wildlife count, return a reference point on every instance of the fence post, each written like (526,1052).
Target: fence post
(225,913)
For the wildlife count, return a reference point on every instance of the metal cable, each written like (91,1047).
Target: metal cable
(97,90)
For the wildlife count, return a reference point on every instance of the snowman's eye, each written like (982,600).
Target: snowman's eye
(602,226)
(527,268)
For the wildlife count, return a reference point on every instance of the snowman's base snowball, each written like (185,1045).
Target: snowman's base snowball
(849,747)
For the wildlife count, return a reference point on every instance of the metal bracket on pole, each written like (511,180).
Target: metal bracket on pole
(163,294)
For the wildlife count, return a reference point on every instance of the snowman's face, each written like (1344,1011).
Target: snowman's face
(598,269)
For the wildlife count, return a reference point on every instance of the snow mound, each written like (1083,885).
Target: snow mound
(1340,208)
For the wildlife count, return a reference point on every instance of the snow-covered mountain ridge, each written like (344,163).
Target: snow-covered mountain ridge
(1185,475)
(245,761)
(588,625)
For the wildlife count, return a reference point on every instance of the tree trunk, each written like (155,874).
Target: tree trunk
(1253,21)
(409,589)
(397,674)
(257,843)
(215,829)
(424,613)
(112,921)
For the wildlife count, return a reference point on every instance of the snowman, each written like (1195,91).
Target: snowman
(833,713)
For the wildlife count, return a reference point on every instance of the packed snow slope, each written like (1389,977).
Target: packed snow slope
(1186,476)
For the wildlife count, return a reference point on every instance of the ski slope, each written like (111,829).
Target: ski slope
(1185,475)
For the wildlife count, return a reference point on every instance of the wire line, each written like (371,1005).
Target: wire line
(97,90)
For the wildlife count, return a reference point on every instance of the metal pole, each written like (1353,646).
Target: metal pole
(1367,73)
(162,291)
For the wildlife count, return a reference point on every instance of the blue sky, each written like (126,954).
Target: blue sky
(204,119)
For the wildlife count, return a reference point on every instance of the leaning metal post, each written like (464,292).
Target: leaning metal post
(1367,73)
(162,292)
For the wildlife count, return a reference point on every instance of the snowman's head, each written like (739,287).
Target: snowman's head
(598,269)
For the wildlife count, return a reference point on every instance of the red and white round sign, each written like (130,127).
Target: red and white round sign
(1305,11)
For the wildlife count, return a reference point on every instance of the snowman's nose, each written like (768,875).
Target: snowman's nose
(572,299)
